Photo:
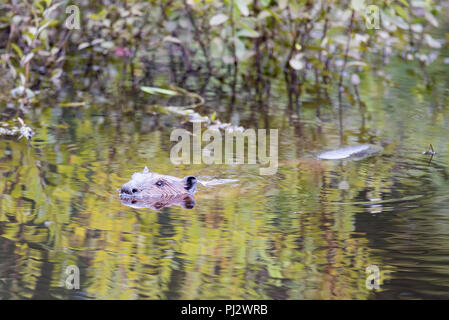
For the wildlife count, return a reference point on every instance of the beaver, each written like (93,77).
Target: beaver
(155,191)
(148,184)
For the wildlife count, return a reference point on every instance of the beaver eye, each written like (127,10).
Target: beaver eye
(160,183)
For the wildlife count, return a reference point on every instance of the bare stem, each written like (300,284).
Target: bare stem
(198,36)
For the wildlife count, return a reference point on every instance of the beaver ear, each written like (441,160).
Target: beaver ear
(145,170)
(190,184)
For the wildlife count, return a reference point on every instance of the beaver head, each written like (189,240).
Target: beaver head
(149,184)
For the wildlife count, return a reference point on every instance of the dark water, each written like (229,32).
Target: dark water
(307,232)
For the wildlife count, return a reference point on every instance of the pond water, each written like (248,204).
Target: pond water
(308,232)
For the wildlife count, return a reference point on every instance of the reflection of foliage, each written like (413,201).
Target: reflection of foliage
(288,237)
(292,235)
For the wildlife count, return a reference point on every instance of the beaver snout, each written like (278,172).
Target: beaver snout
(128,190)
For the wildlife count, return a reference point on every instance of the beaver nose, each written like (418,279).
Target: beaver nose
(126,190)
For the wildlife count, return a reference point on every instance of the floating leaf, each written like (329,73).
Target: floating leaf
(356,64)
(297,62)
(154,90)
(72,104)
(172,39)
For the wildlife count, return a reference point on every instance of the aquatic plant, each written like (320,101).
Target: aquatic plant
(314,45)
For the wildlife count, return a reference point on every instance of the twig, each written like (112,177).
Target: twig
(198,37)
(340,82)
(234,53)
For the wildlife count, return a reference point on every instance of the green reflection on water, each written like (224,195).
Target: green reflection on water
(308,232)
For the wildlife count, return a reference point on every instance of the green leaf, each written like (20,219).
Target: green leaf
(27,58)
(264,14)
(400,11)
(17,49)
(154,90)
(356,64)
(248,33)
(275,15)
(405,3)
(358,4)
(218,19)
(240,49)
(243,7)
(282,4)
(432,42)
(44,24)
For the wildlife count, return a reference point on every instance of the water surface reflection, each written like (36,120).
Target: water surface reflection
(308,232)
